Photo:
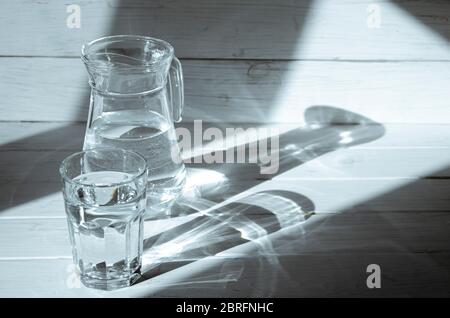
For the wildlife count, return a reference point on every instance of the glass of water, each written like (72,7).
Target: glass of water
(104,192)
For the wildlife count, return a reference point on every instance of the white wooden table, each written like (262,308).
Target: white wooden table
(385,200)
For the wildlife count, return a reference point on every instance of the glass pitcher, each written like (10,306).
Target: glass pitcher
(136,96)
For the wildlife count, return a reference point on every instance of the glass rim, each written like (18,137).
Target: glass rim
(65,177)
(128,37)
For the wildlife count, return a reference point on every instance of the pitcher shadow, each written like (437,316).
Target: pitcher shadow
(326,129)
(207,231)
(216,228)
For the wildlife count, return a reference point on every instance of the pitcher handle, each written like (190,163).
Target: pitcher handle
(175,87)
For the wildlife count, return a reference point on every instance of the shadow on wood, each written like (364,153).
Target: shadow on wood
(207,231)
(327,129)
(324,255)
(26,167)
(434,14)
(29,166)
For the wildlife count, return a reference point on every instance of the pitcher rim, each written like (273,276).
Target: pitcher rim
(146,65)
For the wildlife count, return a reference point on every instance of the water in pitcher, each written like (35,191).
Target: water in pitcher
(149,134)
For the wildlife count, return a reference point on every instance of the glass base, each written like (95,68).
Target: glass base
(110,284)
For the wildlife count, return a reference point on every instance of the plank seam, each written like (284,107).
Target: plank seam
(259,59)
(316,213)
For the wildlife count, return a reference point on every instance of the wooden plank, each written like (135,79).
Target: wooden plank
(248,29)
(309,275)
(40,278)
(412,136)
(35,238)
(40,167)
(375,164)
(333,249)
(245,91)
(44,89)
(27,136)
(30,184)
(41,136)
(327,196)
(384,232)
